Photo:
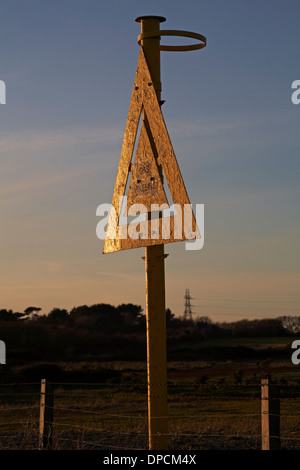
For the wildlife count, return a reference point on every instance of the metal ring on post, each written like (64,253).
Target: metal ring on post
(174,32)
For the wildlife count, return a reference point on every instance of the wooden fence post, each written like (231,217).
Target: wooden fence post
(270,416)
(46,416)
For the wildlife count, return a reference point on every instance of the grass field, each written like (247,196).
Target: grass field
(212,405)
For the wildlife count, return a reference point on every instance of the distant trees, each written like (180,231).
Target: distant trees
(255,328)
(132,314)
(208,329)
(9,315)
(105,318)
(30,310)
(169,317)
(108,318)
(130,318)
(106,332)
(58,315)
(290,324)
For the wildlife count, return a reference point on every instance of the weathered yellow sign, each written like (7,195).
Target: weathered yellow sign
(154,160)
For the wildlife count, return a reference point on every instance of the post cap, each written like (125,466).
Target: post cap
(161,19)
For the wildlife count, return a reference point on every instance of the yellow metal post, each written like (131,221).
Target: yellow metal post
(154,141)
(155,284)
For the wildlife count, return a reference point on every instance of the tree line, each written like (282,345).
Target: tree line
(130,318)
(102,333)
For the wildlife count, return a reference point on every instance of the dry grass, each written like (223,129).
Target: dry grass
(218,415)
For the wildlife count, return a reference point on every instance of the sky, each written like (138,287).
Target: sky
(69,68)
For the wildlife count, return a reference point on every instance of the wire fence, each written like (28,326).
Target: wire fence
(90,416)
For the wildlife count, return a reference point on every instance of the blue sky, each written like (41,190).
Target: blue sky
(69,68)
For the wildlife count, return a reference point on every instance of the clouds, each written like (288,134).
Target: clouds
(220,124)
(24,142)
(34,160)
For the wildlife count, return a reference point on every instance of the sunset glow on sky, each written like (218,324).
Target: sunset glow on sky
(69,69)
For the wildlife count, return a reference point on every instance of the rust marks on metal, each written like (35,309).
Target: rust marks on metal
(154,157)
(146,185)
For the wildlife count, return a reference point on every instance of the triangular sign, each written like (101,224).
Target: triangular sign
(154,156)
